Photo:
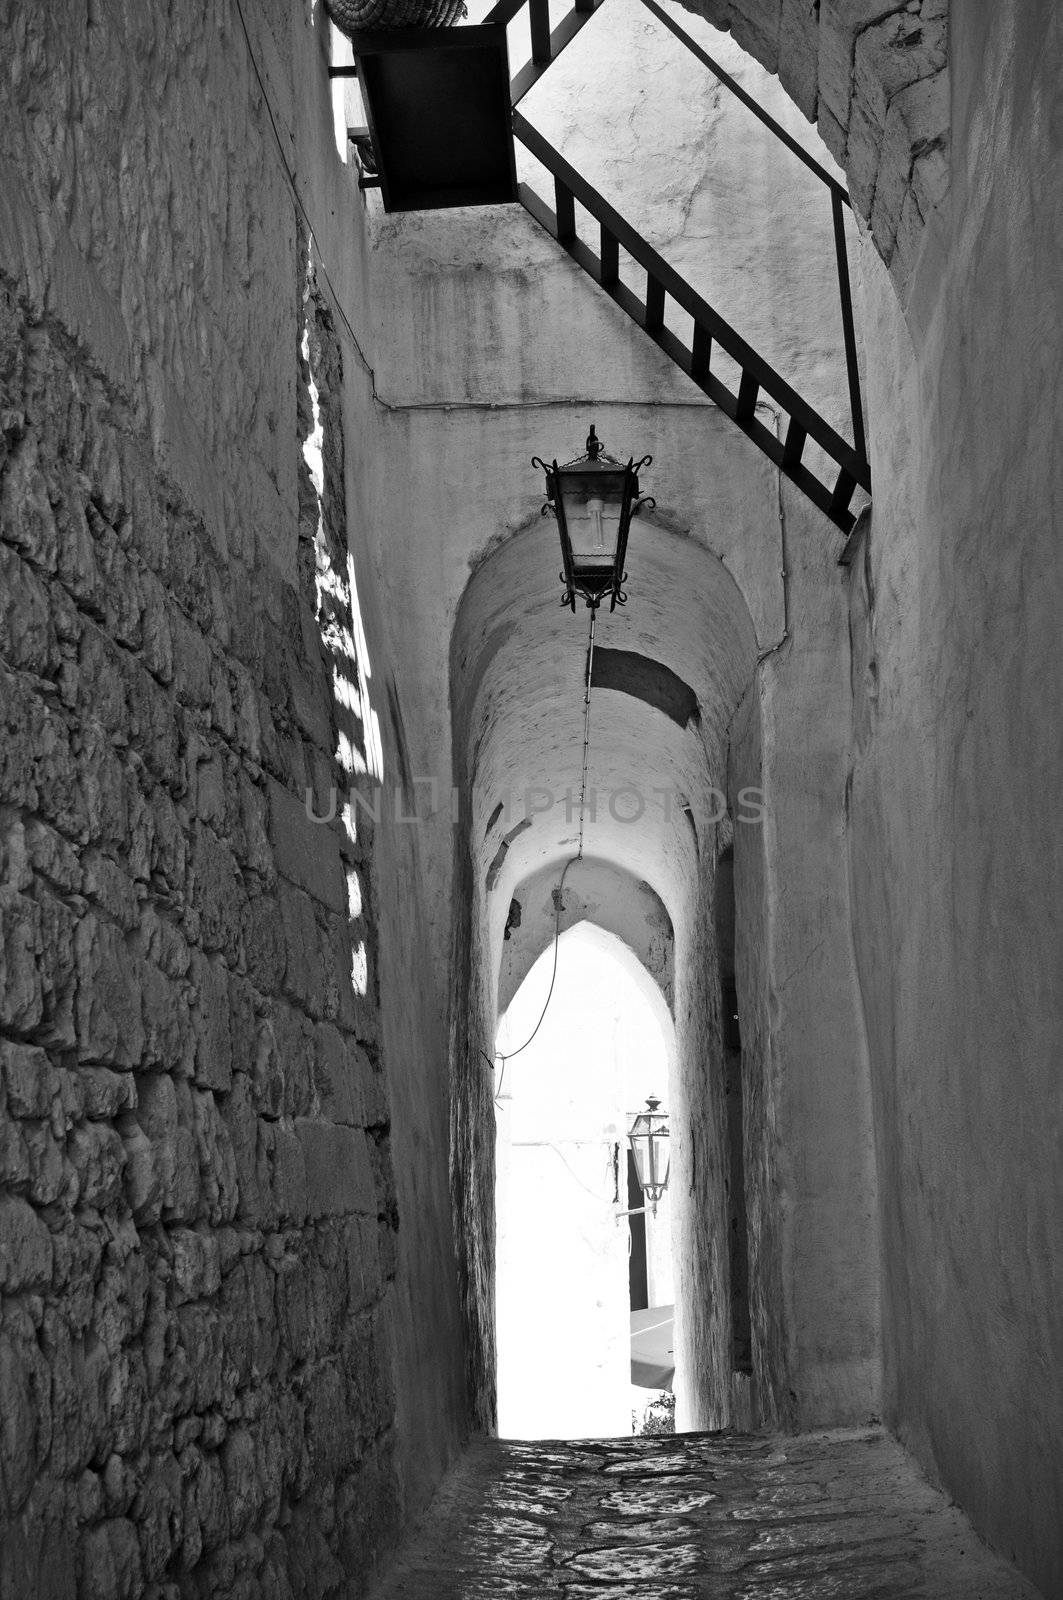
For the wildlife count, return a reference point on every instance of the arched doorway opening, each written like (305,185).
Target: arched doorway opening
(601,1041)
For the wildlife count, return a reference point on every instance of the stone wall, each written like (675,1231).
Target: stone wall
(195,1158)
(199,1217)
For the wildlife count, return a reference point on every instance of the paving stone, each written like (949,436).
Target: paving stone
(829,1516)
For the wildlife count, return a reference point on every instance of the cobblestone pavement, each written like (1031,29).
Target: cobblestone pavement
(830,1516)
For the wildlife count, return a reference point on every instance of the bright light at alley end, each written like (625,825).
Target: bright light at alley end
(648,1136)
(594,499)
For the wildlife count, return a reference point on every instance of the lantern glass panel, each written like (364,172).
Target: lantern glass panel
(650,1147)
(594,501)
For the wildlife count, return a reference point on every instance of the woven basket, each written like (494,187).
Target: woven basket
(349,15)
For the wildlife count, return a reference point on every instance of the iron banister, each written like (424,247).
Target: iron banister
(755,368)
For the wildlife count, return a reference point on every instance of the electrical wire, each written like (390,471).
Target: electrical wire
(297,197)
(508,1055)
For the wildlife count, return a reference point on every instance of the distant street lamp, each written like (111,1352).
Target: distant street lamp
(593,499)
(648,1137)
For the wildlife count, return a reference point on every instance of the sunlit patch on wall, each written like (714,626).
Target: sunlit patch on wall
(359,969)
(354,893)
(359,749)
(347,110)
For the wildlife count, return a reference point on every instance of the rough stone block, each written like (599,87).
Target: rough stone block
(77,556)
(264,943)
(245,1005)
(243,1488)
(21,991)
(108,1008)
(282,1174)
(196,1264)
(207,784)
(110,1566)
(25,1419)
(238,1114)
(253,831)
(906,244)
(799,53)
(78,1251)
(53,857)
(305,852)
(112,889)
(99,684)
(174,1145)
(157,649)
(154,729)
(755,25)
(28,638)
(917,120)
(157,1514)
(362,1264)
(121,591)
(191,661)
(45,1173)
(56,965)
(841,22)
(181,1195)
(78,1391)
(14,1155)
(169,1039)
(267,1074)
(900,50)
(26,517)
(304,981)
(143,1179)
(862,157)
(31,1083)
(25,1247)
(217,894)
(340,1069)
(294,1040)
(218,1178)
(105,794)
(339,1177)
(213,1047)
(97,1155)
(931,177)
(38,771)
(106,1093)
(168,850)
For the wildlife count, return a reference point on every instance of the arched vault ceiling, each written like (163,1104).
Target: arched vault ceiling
(519,668)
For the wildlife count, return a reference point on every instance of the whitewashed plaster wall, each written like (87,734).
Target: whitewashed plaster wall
(954,831)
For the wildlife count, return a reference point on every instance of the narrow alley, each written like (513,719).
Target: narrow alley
(531,735)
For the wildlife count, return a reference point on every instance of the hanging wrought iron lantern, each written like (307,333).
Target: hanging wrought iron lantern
(594,499)
(648,1137)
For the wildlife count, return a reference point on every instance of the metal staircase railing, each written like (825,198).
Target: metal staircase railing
(546,43)
(758,376)
(847,466)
